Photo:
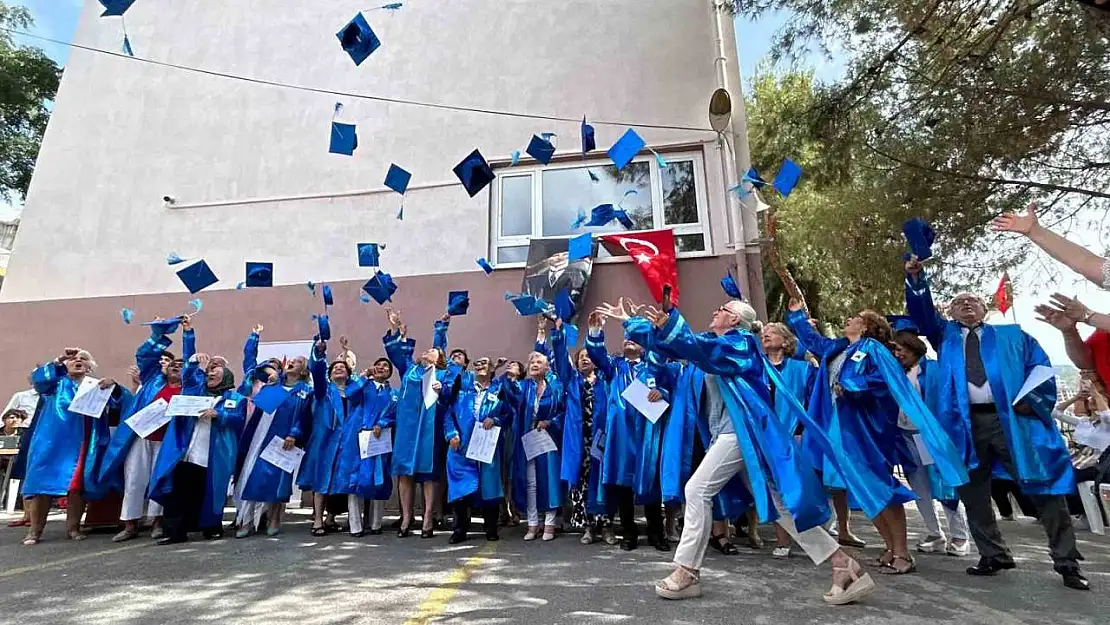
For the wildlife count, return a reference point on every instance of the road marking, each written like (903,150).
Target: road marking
(85,556)
(436,604)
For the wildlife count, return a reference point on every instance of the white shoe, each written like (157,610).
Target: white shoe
(531,534)
(609,535)
(834,532)
(958,550)
(587,537)
(157,533)
(932,544)
(781,552)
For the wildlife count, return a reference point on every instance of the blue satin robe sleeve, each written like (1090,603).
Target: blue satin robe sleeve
(820,345)
(188,344)
(45,379)
(250,353)
(318,367)
(922,310)
(595,348)
(399,350)
(564,368)
(148,358)
(862,377)
(439,336)
(712,354)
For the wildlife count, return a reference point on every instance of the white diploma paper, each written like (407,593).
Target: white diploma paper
(368,446)
(483,443)
(286,460)
(1038,376)
(636,394)
(189,405)
(90,400)
(922,450)
(147,421)
(1097,437)
(430,395)
(537,443)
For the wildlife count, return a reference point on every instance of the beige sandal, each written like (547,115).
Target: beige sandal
(670,588)
(77,535)
(531,533)
(548,532)
(859,587)
(31,539)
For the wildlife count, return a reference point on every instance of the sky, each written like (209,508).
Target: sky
(57,19)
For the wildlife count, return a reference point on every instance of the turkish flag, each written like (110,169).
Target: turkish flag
(1004,294)
(654,254)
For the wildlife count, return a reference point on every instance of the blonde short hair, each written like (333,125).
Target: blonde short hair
(789,341)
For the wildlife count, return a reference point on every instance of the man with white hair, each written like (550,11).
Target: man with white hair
(982,367)
(746,433)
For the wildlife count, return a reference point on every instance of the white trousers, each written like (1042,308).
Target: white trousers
(354,513)
(927,506)
(136,478)
(721,463)
(533,508)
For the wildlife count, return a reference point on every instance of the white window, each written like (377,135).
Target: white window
(540,201)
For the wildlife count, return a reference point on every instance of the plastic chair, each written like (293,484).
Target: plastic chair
(1091,508)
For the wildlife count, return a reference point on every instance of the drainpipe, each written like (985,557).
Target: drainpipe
(743,226)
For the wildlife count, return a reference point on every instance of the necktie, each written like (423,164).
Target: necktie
(976,374)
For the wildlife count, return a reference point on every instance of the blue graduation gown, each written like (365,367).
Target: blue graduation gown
(575,444)
(418,434)
(372,478)
(266,482)
(148,360)
(1009,354)
(60,436)
(549,490)
(331,438)
(465,476)
(223,444)
(863,426)
(797,374)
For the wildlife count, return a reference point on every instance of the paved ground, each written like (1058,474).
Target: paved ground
(381,579)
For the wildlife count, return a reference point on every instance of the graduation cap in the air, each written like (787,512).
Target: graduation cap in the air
(197,277)
(381,287)
(397,179)
(458,302)
(486,267)
(368,255)
(902,323)
(564,305)
(127,315)
(528,305)
(601,215)
(115,7)
(728,283)
(540,149)
(328,299)
(260,274)
(164,326)
(344,138)
(581,246)
(589,143)
(753,177)
(323,327)
(787,178)
(920,236)
(626,148)
(474,173)
(358,39)
(270,397)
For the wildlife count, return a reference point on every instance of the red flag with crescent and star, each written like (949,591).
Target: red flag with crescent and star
(1004,294)
(654,254)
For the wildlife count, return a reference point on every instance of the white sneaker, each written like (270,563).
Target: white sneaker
(932,544)
(781,552)
(958,550)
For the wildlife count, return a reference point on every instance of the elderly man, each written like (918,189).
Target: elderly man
(982,367)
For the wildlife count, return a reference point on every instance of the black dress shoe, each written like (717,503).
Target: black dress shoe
(457,537)
(492,536)
(660,543)
(1073,578)
(213,534)
(357,534)
(427,533)
(628,544)
(172,540)
(989,566)
(377,532)
(404,532)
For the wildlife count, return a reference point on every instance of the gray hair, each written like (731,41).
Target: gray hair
(749,320)
(88,357)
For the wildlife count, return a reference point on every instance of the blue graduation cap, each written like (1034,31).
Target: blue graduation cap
(572,333)
(164,326)
(564,305)
(787,178)
(173,258)
(270,397)
(328,299)
(114,8)
(367,254)
(323,326)
(540,149)
(260,274)
(197,277)
(753,177)
(601,215)
(589,143)
(344,138)
(728,283)
(474,173)
(581,246)
(127,315)
(626,148)
(358,39)
(458,302)
(528,305)
(397,179)
(381,287)
(902,323)
(486,267)
(920,235)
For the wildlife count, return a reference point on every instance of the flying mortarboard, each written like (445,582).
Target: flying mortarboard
(458,302)
(753,177)
(589,143)
(581,246)
(601,215)
(397,179)
(540,149)
(344,138)
(323,326)
(787,178)
(381,287)
(564,305)
(115,7)
(728,283)
(626,148)
(270,397)
(197,277)
(920,236)
(174,259)
(164,326)
(474,173)
(528,305)
(260,275)
(127,315)
(358,39)
(486,267)
(328,299)
(368,255)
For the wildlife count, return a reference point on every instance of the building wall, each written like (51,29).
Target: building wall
(126,133)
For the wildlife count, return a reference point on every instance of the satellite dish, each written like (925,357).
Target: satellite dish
(720,110)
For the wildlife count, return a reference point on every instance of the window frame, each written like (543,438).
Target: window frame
(534,172)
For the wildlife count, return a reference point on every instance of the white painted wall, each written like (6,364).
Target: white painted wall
(125,133)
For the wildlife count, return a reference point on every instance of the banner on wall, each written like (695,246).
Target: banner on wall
(550,270)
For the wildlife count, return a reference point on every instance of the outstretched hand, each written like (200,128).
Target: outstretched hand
(1021,224)
(795,305)
(914,266)
(657,317)
(616,312)
(258,328)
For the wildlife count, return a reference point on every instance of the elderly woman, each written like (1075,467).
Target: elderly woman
(67,447)
(371,478)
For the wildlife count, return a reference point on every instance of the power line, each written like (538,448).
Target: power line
(348,94)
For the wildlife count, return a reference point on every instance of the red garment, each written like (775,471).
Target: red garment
(77,482)
(166,393)
(1099,344)
(1004,294)
(654,254)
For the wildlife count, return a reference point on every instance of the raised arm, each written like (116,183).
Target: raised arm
(729,355)
(399,350)
(920,306)
(45,378)
(595,346)
(1081,260)
(564,368)
(1077,350)
(188,339)
(250,350)
(815,342)
(439,333)
(318,366)
(148,358)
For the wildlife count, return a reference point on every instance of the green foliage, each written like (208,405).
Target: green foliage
(28,81)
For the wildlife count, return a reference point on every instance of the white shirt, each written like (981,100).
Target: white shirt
(913,374)
(977,394)
(26,401)
(197,453)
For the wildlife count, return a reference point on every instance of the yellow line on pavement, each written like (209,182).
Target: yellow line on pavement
(436,604)
(70,560)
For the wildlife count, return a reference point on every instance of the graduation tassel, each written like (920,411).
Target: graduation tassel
(401,212)
(126,41)
(659,160)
